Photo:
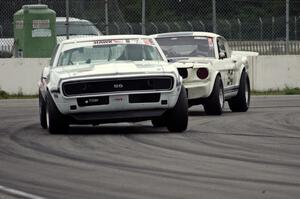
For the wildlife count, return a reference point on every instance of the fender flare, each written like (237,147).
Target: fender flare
(212,80)
(243,68)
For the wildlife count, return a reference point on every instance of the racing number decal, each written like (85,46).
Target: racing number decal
(229,77)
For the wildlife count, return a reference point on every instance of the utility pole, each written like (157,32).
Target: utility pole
(143,17)
(214,16)
(287,23)
(295,20)
(106,18)
(67,18)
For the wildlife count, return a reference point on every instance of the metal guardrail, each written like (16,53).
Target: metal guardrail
(6,44)
(267,47)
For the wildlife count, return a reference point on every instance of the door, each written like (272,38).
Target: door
(226,66)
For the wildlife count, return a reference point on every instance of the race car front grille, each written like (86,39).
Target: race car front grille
(85,87)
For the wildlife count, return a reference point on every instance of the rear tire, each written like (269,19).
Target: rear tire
(177,117)
(57,123)
(42,111)
(241,102)
(215,102)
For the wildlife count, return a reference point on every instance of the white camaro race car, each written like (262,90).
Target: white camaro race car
(212,74)
(111,79)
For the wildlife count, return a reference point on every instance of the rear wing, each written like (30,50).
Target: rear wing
(188,64)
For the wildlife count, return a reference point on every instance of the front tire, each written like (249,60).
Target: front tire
(57,123)
(42,111)
(241,102)
(177,117)
(215,102)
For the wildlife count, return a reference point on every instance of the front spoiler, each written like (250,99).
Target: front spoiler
(114,117)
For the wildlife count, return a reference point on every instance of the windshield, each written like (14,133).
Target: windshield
(76,28)
(109,52)
(187,46)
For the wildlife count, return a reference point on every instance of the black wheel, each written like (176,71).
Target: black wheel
(177,117)
(159,122)
(42,111)
(214,104)
(241,102)
(57,123)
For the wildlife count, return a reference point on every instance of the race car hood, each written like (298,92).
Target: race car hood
(111,69)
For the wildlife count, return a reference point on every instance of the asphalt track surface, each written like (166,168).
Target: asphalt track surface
(236,155)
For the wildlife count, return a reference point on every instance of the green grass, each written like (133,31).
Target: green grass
(286,91)
(19,95)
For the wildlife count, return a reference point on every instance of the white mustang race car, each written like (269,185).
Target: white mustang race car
(111,79)
(211,72)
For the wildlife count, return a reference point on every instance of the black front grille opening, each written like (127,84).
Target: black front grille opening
(104,86)
(183,72)
(144,98)
(93,101)
(159,84)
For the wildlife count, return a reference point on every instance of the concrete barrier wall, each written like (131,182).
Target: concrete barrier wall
(275,72)
(21,74)
(266,72)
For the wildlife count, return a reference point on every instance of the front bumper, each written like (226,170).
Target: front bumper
(116,102)
(197,89)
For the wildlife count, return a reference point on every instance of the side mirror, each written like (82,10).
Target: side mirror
(46,72)
(222,55)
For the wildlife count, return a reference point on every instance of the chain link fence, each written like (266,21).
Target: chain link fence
(236,20)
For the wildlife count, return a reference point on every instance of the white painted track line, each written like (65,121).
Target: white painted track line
(18,193)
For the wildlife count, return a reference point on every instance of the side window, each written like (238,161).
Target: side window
(228,51)
(53,55)
(221,48)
